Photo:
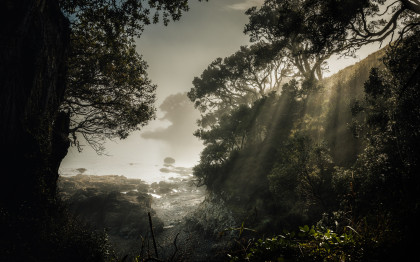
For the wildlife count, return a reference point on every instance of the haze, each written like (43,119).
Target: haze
(175,54)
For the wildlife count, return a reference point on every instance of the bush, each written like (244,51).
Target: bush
(309,244)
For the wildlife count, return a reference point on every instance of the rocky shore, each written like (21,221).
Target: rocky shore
(187,222)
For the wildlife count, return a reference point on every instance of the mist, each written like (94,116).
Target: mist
(237,130)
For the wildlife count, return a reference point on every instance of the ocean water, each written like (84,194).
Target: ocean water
(147,172)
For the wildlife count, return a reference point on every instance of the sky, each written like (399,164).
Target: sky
(175,55)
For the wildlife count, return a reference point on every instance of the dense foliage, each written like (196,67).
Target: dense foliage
(341,153)
(78,75)
(283,146)
(289,26)
(309,244)
(239,79)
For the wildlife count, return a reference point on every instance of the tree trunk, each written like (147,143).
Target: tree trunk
(34,37)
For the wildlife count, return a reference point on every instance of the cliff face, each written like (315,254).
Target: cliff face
(33,46)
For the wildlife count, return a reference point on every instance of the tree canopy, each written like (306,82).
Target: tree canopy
(342,155)
(309,31)
(108,91)
(290,26)
(367,21)
(131,16)
(239,79)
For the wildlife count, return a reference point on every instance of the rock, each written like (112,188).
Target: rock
(169,161)
(163,187)
(99,201)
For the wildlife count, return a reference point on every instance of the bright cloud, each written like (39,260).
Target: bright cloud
(245,4)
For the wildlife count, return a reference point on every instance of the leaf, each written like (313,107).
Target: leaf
(312,231)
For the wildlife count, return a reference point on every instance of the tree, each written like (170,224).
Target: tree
(288,26)
(34,61)
(239,79)
(242,143)
(108,92)
(357,23)
(310,31)
(301,180)
(392,120)
(385,177)
(235,132)
(380,19)
(130,15)
(32,81)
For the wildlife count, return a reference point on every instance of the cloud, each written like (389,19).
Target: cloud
(178,136)
(245,4)
(180,112)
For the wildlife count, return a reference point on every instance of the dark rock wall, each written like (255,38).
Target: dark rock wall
(34,38)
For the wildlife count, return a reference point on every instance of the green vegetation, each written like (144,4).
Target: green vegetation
(309,244)
(341,153)
(284,147)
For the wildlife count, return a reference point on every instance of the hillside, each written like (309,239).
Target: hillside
(359,70)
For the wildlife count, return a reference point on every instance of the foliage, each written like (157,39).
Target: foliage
(242,134)
(129,15)
(230,135)
(387,169)
(240,79)
(358,23)
(108,92)
(290,26)
(308,32)
(301,180)
(253,154)
(349,150)
(309,244)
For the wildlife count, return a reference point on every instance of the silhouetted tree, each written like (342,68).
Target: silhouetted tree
(239,79)
(310,31)
(288,26)
(106,80)
(108,92)
(357,23)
